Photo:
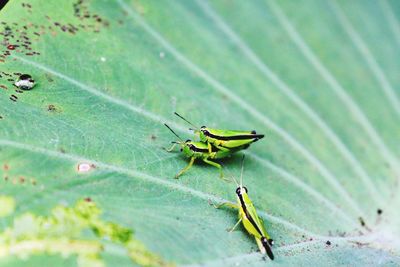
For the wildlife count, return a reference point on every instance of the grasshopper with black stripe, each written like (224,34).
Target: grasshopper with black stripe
(253,224)
(224,139)
(199,150)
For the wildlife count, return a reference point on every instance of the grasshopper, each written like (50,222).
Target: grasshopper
(224,139)
(253,224)
(199,150)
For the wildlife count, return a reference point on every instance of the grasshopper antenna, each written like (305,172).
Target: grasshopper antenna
(233,177)
(195,127)
(241,173)
(173,132)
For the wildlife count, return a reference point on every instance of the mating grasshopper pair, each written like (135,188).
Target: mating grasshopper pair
(248,216)
(213,144)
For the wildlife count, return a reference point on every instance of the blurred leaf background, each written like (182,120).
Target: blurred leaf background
(319,78)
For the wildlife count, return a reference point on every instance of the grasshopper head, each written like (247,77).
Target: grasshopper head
(202,133)
(241,190)
(186,146)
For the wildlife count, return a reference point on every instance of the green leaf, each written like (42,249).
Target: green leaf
(319,78)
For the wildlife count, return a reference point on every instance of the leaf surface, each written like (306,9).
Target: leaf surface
(319,79)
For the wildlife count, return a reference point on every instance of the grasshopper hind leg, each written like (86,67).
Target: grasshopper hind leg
(212,163)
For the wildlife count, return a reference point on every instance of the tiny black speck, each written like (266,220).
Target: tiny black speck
(25,77)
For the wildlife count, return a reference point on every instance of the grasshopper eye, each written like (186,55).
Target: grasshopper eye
(187,141)
(245,188)
(238,190)
(271,241)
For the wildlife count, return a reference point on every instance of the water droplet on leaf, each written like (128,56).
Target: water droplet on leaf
(84,167)
(25,82)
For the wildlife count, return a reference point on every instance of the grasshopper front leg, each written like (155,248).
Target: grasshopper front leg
(221,148)
(209,147)
(171,148)
(186,168)
(226,204)
(236,225)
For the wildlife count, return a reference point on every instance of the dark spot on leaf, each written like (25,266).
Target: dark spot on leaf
(13,98)
(49,77)
(362,222)
(328,243)
(379,211)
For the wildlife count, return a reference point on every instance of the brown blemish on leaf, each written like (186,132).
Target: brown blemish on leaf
(6,167)
(18,37)
(49,77)
(51,107)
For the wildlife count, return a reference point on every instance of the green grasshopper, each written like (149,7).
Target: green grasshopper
(253,224)
(198,150)
(224,139)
